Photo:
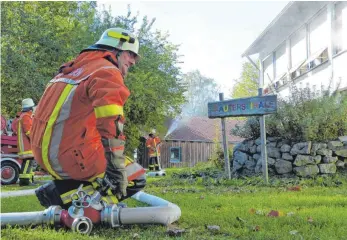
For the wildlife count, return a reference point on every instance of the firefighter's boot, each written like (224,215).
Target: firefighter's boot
(26,176)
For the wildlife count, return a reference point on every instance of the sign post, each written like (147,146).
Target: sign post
(252,106)
(225,144)
(263,142)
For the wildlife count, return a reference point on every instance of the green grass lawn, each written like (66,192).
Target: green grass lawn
(38,181)
(318,210)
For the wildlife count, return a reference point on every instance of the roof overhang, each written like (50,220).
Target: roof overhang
(290,19)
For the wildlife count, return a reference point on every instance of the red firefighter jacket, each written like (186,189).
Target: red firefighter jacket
(152,144)
(23,135)
(79,106)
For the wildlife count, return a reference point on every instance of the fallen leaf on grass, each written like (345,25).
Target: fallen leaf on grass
(310,219)
(290,214)
(259,212)
(255,228)
(252,211)
(136,235)
(213,228)
(294,189)
(274,213)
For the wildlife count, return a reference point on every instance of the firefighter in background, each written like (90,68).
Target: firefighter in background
(24,135)
(14,124)
(77,129)
(152,144)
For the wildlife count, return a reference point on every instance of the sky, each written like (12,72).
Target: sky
(212,35)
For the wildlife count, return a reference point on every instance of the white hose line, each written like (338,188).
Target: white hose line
(49,215)
(18,193)
(162,211)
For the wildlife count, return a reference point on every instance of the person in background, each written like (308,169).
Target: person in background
(152,144)
(25,153)
(14,124)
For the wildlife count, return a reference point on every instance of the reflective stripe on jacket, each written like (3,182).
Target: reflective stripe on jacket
(23,135)
(79,106)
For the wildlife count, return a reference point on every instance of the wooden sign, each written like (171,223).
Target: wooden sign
(252,106)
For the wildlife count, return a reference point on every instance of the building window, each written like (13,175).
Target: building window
(268,70)
(318,44)
(175,154)
(298,51)
(340,27)
(319,33)
(317,48)
(280,66)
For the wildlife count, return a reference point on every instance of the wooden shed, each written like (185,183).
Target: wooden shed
(190,141)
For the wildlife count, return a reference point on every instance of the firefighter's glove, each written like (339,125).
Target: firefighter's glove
(114,183)
(121,182)
(117,176)
(115,171)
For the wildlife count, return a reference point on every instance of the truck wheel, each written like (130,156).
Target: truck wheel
(9,173)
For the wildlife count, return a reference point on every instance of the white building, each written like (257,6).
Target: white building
(306,44)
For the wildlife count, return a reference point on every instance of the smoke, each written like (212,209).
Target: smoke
(174,125)
(177,123)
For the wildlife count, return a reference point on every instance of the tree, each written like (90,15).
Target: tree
(37,37)
(247,84)
(156,91)
(199,91)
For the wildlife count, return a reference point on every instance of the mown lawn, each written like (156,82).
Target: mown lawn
(306,209)
(38,180)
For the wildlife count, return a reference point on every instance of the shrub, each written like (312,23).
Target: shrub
(217,158)
(250,129)
(305,115)
(309,116)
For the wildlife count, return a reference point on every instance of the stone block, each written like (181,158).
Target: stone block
(285,148)
(287,156)
(303,160)
(283,166)
(301,148)
(306,171)
(327,168)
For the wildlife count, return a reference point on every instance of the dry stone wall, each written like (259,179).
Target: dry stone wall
(287,158)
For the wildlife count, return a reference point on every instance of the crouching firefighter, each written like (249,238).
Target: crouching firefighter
(78,125)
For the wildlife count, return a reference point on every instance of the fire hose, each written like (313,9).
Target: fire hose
(87,210)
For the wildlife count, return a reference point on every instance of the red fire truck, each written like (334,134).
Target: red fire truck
(10,164)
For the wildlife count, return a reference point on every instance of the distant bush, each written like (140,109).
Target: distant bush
(309,116)
(217,159)
(250,129)
(305,115)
